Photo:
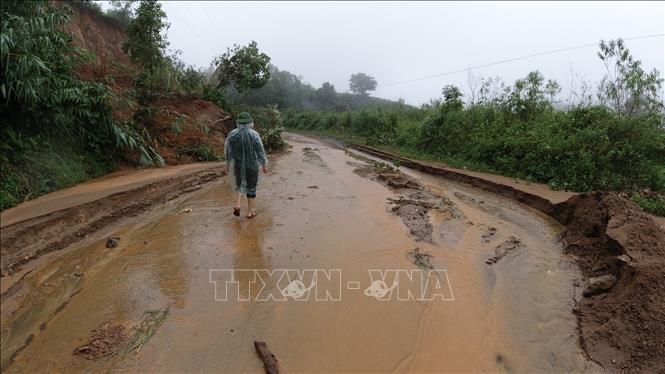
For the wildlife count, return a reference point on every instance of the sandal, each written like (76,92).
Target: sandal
(251,214)
(236,211)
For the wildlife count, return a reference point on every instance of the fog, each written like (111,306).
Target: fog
(399,41)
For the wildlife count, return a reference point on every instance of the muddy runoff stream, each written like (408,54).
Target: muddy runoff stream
(500,299)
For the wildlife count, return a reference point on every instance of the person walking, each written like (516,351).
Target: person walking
(244,154)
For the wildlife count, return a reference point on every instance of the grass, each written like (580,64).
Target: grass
(654,204)
(50,167)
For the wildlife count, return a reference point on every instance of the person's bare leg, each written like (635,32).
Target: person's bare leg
(251,207)
(236,208)
(238,197)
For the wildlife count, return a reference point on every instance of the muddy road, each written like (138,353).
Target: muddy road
(149,303)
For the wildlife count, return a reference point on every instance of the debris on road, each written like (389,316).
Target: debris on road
(503,249)
(417,200)
(421,259)
(269,359)
(186,210)
(151,321)
(112,242)
(104,341)
(489,234)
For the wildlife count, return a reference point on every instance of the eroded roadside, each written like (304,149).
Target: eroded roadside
(621,252)
(29,239)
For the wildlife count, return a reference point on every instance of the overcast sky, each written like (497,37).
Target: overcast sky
(398,41)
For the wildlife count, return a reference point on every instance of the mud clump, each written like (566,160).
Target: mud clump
(415,216)
(421,259)
(311,155)
(503,249)
(104,341)
(416,201)
(489,234)
(622,317)
(598,285)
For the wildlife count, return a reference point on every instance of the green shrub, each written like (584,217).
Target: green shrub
(653,203)
(584,149)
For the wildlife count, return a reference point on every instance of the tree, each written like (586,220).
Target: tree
(244,68)
(327,96)
(626,87)
(452,96)
(532,95)
(121,10)
(146,35)
(361,83)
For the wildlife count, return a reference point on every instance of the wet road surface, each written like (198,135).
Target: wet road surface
(314,213)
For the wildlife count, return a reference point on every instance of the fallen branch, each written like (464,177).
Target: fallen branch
(269,359)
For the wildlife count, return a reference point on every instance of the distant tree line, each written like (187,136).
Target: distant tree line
(288,91)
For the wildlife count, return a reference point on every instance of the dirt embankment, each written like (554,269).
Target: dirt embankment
(188,130)
(29,239)
(621,252)
(103,37)
(182,128)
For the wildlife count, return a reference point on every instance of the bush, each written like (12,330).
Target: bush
(268,122)
(650,201)
(584,149)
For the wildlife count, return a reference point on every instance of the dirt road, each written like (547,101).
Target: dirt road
(506,288)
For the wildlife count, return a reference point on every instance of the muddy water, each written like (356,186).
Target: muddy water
(514,315)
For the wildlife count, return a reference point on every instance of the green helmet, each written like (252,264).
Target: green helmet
(244,118)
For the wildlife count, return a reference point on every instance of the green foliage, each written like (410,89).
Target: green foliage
(651,203)
(516,131)
(146,35)
(361,84)
(243,67)
(288,91)
(327,96)
(268,121)
(44,103)
(122,11)
(51,165)
(134,137)
(626,87)
(179,122)
(202,152)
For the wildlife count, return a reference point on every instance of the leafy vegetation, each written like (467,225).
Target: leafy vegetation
(616,143)
(361,84)
(653,203)
(288,91)
(243,67)
(268,121)
(44,103)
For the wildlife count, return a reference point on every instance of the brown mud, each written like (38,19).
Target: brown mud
(622,321)
(415,200)
(503,249)
(622,326)
(104,341)
(513,316)
(31,238)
